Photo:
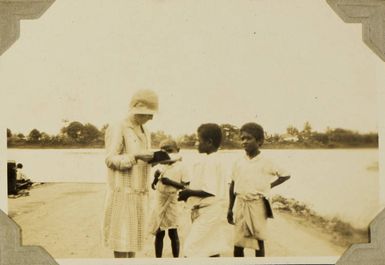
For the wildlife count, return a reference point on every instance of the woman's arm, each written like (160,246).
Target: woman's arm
(114,146)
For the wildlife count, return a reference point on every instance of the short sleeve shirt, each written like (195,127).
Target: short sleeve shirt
(255,175)
(176,172)
(208,175)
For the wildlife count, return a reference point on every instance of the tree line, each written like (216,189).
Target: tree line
(76,134)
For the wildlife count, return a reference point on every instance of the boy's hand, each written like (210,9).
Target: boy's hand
(157,174)
(153,184)
(184,195)
(156,179)
(284,178)
(280,180)
(230,218)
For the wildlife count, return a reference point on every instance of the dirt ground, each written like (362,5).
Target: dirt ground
(65,219)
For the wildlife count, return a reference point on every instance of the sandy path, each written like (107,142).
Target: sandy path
(65,219)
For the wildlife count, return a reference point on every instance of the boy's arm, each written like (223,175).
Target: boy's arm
(156,179)
(279,180)
(185,183)
(232,196)
(175,184)
(187,193)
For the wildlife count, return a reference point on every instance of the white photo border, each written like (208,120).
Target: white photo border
(370,13)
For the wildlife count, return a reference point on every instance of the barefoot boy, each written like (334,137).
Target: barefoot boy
(172,177)
(252,178)
(207,198)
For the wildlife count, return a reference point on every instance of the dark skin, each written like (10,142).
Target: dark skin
(230,217)
(165,180)
(173,233)
(156,179)
(205,146)
(251,146)
(177,185)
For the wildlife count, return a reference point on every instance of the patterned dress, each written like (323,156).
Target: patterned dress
(127,187)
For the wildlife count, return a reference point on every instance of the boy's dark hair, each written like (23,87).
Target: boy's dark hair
(211,131)
(19,165)
(255,130)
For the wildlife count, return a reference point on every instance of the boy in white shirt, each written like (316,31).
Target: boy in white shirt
(252,178)
(206,196)
(171,178)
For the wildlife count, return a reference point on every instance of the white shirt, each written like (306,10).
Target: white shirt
(176,172)
(255,175)
(208,175)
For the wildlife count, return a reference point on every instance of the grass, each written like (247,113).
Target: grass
(339,232)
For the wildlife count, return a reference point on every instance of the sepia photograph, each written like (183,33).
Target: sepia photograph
(192,129)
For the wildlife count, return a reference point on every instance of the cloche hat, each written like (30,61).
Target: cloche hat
(144,102)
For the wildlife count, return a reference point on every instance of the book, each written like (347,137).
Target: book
(159,157)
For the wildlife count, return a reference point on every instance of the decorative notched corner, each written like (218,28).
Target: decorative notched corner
(371,13)
(11,12)
(11,250)
(372,253)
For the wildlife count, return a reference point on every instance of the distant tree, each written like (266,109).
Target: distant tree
(34,136)
(320,138)
(370,138)
(231,137)
(292,131)
(275,138)
(9,133)
(74,130)
(102,134)
(21,136)
(90,133)
(157,137)
(45,139)
(103,129)
(306,132)
(188,140)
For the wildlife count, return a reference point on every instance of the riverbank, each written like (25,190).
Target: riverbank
(339,232)
(65,219)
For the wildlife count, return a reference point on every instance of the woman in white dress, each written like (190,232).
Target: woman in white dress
(128,152)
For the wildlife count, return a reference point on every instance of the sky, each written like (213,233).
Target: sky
(277,63)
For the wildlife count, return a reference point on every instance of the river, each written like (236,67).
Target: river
(340,183)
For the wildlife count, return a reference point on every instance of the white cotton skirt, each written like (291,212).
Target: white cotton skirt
(165,213)
(209,233)
(250,223)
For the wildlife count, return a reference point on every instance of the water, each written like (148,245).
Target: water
(340,182)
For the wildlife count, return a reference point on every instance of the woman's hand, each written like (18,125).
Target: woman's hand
(144,156)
